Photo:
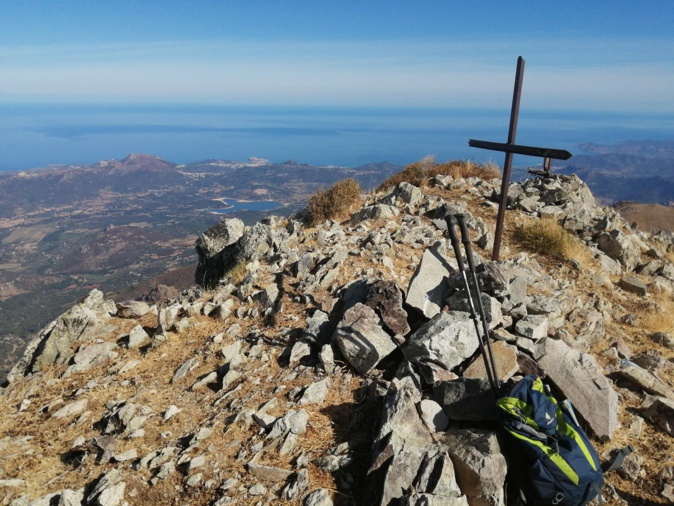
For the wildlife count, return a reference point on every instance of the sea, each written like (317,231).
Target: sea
(34,135)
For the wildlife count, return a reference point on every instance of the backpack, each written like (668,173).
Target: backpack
(554,459)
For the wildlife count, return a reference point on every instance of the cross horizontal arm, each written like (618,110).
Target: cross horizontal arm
(557,154)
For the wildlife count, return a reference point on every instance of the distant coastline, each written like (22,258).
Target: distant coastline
(39,135)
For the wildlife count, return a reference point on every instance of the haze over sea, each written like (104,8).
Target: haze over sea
(37,135)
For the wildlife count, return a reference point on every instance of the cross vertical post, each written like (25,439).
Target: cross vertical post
(507,165)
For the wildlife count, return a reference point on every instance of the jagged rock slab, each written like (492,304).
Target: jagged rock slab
(619,246)
(580,379)
(430,283)
(361,339)
(466,399)
(491,306)
(448,339)
(660,411)
(645,380)
(54,343)
(480,466)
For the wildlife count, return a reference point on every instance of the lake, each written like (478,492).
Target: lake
(36,135)
(231,206)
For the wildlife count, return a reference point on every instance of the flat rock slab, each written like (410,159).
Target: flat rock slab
(505,357)
(361,339)
(634,285)
(578,376)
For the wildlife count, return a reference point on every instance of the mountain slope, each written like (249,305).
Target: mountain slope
(243,394)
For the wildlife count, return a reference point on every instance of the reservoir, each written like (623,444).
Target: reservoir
(230,206)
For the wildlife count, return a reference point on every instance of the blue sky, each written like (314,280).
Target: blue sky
(591,55)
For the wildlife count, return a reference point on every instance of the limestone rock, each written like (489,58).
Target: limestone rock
(132,309)
(620,247)
(634,285)
(71,409)
(361,339)
(251,245)
(466,399)
(447,339)
(534,327)
(645,380)
(433,416)
(505,357)
(480,466)
(320,497)
(660,411)
(430,283)
(54,343)
(491,306)
(315,393)
(578,376)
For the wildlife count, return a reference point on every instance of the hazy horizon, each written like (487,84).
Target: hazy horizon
(37,135)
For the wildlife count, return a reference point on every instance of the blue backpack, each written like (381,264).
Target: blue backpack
(554,459)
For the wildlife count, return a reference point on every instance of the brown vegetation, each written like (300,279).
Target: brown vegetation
(419,173)
(547,237)
(333,202)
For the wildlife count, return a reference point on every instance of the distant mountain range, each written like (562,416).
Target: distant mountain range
(641,171)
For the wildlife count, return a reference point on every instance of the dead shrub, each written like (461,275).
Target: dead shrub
(546,237)
(419,173)
(333,202)
(463,169)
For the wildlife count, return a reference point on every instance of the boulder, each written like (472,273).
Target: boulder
(252,244)
(404,450)
(361,339)
(634,285)
(620,247)
(448,339)
(534,327)
(132,309)
(579,377)
(54,343)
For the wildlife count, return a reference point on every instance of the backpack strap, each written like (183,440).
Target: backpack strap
(618,458)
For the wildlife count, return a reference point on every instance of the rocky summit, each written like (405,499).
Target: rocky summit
(339,364)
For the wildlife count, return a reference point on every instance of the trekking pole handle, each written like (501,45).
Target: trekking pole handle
(455,241)
(461,220)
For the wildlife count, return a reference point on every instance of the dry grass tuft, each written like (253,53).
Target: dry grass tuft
(237,274)
(547,237)
(334,202)
(420,172)
(659,318)
(463,169)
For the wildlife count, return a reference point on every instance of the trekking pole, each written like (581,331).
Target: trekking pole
(460,218)
(493,379)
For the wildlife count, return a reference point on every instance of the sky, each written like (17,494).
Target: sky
(595,55)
